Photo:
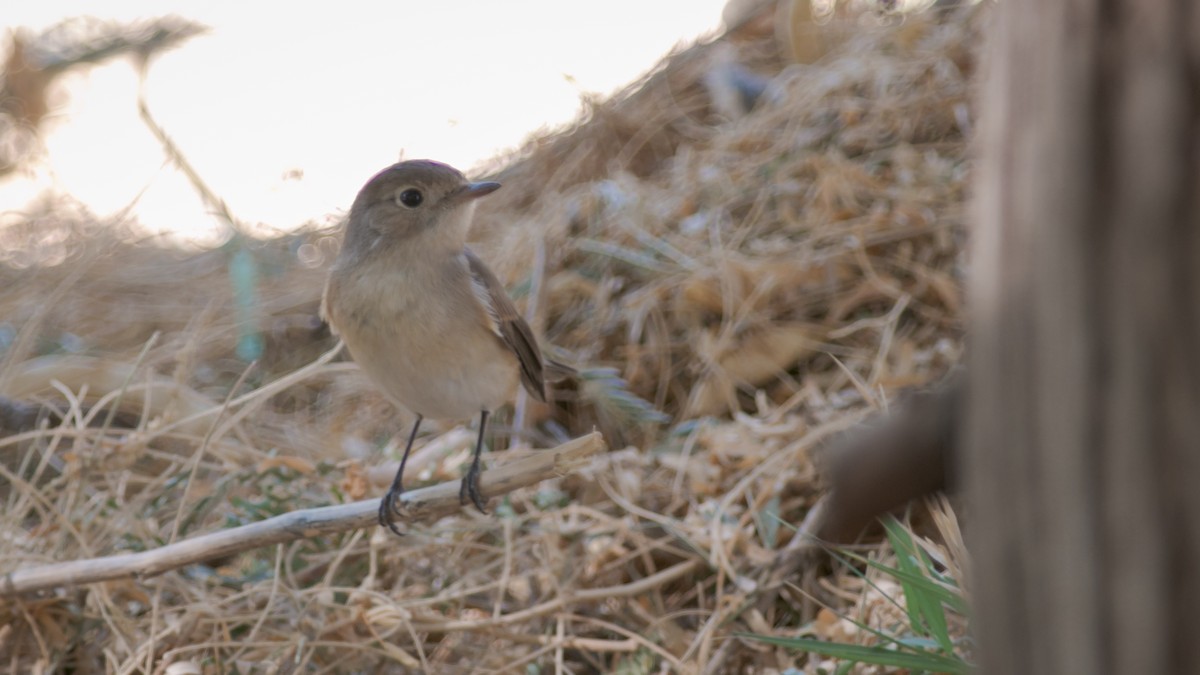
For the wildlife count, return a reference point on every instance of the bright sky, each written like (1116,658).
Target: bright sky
(335,92)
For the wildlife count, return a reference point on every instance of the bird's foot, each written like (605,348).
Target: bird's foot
(470,488)
(389,508)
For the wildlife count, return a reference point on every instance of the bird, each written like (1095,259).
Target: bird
(422,315)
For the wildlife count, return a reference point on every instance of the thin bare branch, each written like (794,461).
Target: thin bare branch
(420,504)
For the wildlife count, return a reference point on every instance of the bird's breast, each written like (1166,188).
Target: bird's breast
(420,335)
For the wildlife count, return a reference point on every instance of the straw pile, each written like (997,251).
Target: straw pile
(764,281)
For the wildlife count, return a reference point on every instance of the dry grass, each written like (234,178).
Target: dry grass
(764,281)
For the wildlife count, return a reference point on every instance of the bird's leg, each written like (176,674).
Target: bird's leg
(388,507)
(470,482)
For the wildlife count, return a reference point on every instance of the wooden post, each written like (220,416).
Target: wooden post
(1083,433)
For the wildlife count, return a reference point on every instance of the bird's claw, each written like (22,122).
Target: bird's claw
(470,488)
(388,511)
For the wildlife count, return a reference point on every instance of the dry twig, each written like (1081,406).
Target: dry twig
(420,504)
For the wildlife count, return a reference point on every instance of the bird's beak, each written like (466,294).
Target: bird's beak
(472,191)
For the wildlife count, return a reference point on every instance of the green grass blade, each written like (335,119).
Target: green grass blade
(924,607)
(874,655)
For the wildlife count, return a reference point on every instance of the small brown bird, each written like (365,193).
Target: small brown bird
(421,314)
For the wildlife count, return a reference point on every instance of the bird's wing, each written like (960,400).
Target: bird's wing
(508,325)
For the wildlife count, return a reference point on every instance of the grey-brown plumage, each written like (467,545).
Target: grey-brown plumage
(422,315)
(511,327)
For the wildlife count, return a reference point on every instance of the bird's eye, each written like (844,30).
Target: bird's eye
(410,197)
